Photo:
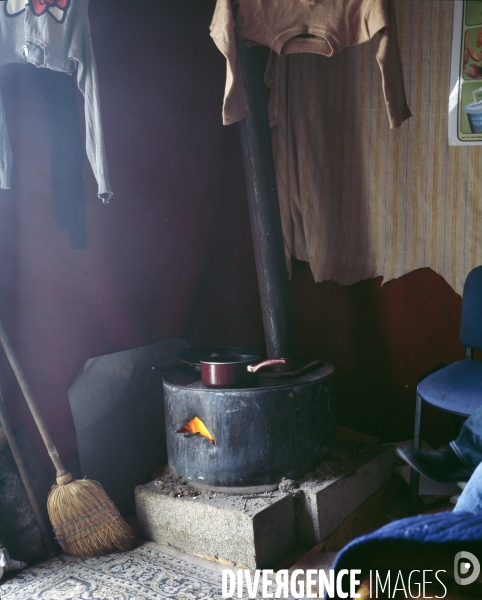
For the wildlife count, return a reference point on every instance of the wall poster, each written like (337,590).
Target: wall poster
(465,102)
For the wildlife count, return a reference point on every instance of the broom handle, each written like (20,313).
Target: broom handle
(25,479)
(39,420)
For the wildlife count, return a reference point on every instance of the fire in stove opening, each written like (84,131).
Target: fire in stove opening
(197,426)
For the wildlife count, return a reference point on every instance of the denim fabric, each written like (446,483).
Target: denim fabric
(468,446)
(471,498)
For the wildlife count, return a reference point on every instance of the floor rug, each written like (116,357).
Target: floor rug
(143,573)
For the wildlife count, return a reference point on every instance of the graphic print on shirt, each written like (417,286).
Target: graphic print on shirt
(57,9)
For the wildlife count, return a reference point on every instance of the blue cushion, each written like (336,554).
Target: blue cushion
(429,530)
(456,388)
(471,326)
(415,538)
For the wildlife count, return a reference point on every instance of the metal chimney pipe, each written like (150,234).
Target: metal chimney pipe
(264,207)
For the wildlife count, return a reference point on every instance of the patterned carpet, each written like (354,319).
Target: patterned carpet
(144,573)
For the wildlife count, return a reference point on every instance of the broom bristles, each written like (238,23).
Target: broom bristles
(85,521)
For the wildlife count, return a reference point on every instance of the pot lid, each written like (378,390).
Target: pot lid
(193,355)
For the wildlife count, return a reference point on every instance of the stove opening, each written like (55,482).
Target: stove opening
(196,426)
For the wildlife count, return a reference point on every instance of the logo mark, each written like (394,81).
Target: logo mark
(464,563)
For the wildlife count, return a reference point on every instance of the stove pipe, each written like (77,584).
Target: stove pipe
(264,207)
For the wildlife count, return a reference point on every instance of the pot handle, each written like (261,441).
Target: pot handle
(266,363)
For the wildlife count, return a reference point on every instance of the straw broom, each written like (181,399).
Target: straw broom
(85,521)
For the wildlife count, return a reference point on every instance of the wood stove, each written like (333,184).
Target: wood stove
(283,427)
(280,427)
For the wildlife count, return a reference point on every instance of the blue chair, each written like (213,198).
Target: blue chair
(456,388)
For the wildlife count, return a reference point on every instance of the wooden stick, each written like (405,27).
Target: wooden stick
(27,392)
(25,479)
(3,439)
(84,518)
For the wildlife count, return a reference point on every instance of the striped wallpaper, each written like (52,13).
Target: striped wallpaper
(358,199)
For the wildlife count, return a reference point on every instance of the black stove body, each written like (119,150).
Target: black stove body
(283,427)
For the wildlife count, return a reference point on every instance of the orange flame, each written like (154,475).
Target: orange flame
(196,426)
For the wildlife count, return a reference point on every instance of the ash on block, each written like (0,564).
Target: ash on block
(260,529)
(257,532)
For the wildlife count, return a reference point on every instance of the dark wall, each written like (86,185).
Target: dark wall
(382,339)
(175,213)
(171,255)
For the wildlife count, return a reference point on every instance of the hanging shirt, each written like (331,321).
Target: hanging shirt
(314,26)
(54,34)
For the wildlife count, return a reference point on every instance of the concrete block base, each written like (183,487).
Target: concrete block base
(325,504)
(257,532)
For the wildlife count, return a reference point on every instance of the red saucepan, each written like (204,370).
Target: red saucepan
(193,355)
(234,371)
